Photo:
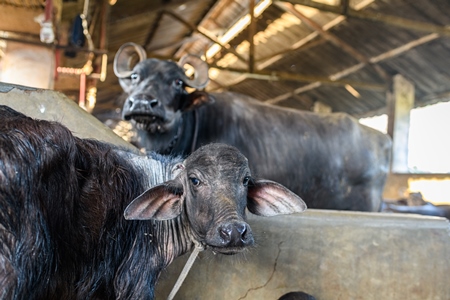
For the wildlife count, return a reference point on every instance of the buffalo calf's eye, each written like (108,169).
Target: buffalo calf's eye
(195,181)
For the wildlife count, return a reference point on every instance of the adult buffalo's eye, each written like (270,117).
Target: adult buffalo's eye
(195,181)
(178,83)
(134,77)
(246,180)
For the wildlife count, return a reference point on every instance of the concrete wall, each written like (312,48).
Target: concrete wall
(330,255)
(54,106)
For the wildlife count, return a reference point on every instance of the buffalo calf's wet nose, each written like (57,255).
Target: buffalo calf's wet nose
(236,234)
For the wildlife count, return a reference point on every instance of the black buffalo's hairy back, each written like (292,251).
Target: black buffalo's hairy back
(35,167)
(58,195)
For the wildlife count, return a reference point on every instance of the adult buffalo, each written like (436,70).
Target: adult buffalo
(330,160)
(70,229)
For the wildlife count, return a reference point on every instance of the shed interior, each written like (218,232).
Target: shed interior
(322,55)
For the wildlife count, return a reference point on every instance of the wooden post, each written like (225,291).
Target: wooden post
(251,35)
(320,107)
(400,102)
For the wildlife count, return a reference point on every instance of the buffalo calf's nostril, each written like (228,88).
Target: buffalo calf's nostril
(241,229)
(225,232)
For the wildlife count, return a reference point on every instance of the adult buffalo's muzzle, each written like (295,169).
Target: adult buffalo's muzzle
(145,113)
(139,106)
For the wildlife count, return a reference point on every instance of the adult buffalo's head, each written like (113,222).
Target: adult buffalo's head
(211,193)
(157,88)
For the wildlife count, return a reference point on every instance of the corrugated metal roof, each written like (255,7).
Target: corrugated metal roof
(296,63)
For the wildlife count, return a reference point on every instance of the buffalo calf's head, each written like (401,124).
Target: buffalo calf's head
(156,88)
(211,194)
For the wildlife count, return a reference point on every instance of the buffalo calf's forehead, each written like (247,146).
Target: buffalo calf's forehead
(217,155)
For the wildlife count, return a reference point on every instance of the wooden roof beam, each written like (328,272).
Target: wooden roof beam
(384,56)
(280,76)
(345,5)
(375,17)
(288,7)
(251,34)
(152,31)
(194,28)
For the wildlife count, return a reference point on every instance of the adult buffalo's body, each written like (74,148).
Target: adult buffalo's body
(63,234)
(330,160)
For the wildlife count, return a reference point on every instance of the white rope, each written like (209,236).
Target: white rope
(197,249)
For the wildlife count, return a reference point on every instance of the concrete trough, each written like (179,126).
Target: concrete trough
(328,254)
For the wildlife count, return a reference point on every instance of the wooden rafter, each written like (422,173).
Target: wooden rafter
(251,34)
(152,31)
(194,28)
(355,68)
(288,7)
(376,17)
(280,76)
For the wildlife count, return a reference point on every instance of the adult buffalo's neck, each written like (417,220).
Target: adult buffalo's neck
(176,141)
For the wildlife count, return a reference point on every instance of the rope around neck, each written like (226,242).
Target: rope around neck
(197,249)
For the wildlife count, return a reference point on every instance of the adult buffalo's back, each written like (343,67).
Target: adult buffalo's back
(330,160)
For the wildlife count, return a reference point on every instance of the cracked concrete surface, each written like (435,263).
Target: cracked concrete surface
(329,255)
(268,280)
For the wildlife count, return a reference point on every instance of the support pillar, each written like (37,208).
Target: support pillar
(320,107)
(400,102)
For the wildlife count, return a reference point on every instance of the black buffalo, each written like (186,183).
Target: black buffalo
(63,233)
(330,160)
(425,208)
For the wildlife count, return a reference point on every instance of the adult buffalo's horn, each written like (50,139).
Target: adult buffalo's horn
(125,59)
(200,78)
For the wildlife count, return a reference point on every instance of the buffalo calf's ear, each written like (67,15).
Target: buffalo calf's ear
(162,202)
(268,198)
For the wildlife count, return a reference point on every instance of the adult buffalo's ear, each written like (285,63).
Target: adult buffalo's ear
(196,99)
(161,202)
(268,198)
